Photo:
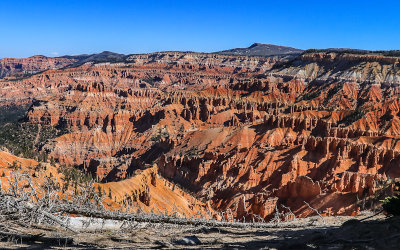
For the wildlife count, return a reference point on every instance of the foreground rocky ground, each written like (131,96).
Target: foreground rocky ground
(341,232)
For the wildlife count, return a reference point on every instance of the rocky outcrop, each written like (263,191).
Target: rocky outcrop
(343,66)
(148,192)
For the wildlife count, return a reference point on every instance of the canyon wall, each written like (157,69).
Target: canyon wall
(246,135)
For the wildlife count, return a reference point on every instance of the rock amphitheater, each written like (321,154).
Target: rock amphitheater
(195,132)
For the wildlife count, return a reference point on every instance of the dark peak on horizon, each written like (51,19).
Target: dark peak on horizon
(260,49)
(105,56)
(100,54)
(257,44)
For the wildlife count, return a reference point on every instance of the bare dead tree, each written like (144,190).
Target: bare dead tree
(316,211)
(289,212)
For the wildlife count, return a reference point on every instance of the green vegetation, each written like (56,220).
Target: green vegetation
(160,134)
(22,138)
(193,152)
(311,95)
(26,139)
(74,178)
(12,113)
(15,166)
(152,80)
(391,205)
(333,91)
(22,76)
(354,116)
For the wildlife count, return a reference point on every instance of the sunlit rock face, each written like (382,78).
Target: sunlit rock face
(244,134)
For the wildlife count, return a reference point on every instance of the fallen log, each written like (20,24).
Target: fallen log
(51,217)
(146,218)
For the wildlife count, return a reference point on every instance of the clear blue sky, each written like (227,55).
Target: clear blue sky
(60,27)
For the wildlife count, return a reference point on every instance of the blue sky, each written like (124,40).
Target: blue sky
(60,27)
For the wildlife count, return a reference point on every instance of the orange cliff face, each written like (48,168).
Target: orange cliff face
(238,133)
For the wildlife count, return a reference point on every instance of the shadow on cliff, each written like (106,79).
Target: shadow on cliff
(149,157)
(147,121)
(261,129)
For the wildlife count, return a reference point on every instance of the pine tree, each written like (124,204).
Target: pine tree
(100,193)
(392,204)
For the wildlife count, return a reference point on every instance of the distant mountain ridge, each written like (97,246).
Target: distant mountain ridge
(23,67)
(105,56)
(260,49)
(31,65)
